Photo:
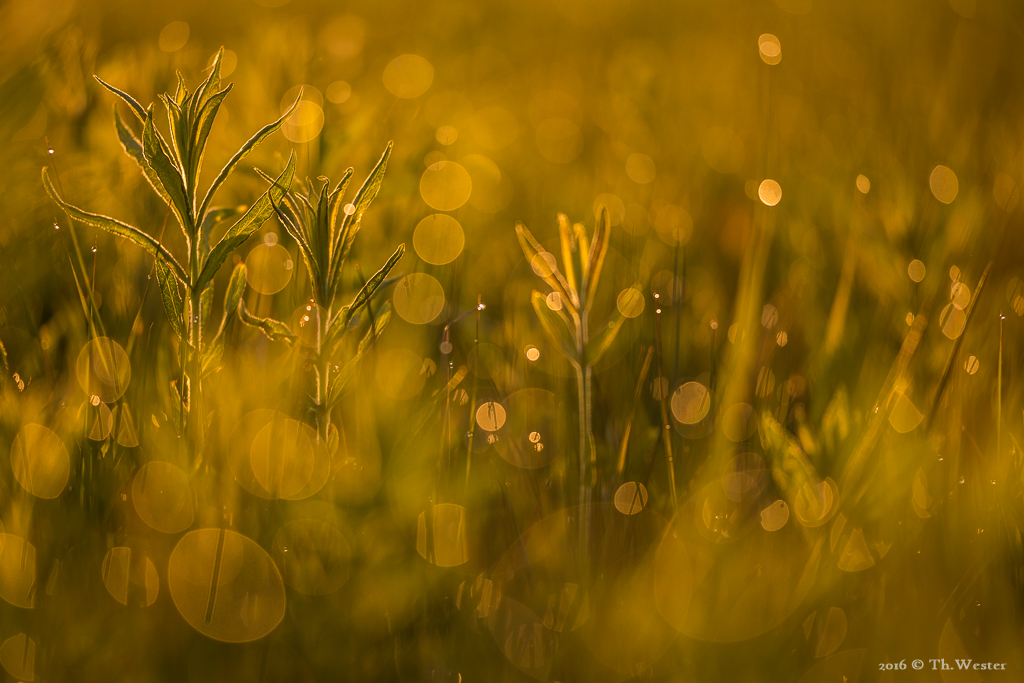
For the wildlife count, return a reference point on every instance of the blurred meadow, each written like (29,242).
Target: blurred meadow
(655,341)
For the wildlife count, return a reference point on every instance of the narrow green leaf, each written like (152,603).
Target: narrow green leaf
(348,370)
(320,227)
(569,248)
(598,249)
(334,202)
(249,223)
(582,254)
(556,326)
(210,85)
(206,302)
(367,290)
(171,298)
(168,175)
(250,145)
(133,104)
(351,223)
(200,132)
(602,340)
(180,92)
(236,288)
(150,245)
(274,329)
(133,148)
(295,230)
(177,123)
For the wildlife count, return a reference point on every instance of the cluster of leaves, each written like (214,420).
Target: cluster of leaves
(311,217)
(567,325)
(172,167)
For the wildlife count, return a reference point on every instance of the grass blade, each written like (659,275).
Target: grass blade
(600,342)
(133,104)
(169,176)
(116,227)
(370,287)
(351,223)
(200,132)
(595,260)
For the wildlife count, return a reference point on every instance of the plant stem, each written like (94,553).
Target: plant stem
(582,396)
(472,402)
(195,396)
(323,369)
(584,375)
(666,425)
(999,395)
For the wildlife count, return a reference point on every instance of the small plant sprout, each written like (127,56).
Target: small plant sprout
(172,168)
(311,217)
(568,325)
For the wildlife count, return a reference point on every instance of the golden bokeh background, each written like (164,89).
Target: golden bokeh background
(768,429)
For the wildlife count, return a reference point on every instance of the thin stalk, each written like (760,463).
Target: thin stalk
(93,320)
(581,397)
(999,394)
(323,380)
(195,404)
(666,424)
(472,402)
(584,374)
(641,380)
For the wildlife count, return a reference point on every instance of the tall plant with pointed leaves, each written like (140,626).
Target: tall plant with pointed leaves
(172,166)
(564,314)
(324,229)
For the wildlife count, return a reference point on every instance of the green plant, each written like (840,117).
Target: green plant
(566,321)
(311,217)
(172,170)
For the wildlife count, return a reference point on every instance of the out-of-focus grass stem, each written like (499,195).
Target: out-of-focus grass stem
(666,424)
